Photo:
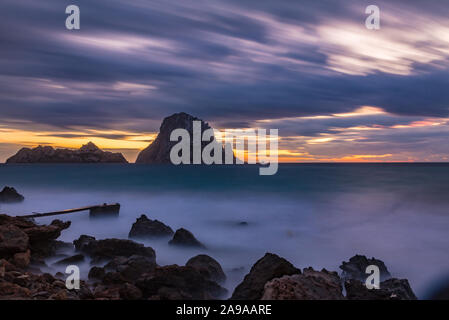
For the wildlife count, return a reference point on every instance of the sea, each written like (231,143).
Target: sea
(314,215)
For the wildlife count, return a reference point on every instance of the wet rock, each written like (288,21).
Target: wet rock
(177,282)
(12,240)
(71,260)
(310,285)
(391,289)
(108,249)
(185,238)
(10,195)
(22,259)
(265,269)
(96,273)
(130,292)
(356,268)
(208,267)
(44,249)
(102,292)
(145,228)
(130,269)
(46,232)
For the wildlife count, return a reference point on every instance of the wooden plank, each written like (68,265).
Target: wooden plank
(103,207)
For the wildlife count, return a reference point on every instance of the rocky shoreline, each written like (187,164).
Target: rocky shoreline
(125,269)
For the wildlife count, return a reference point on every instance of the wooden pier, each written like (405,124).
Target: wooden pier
(104,210)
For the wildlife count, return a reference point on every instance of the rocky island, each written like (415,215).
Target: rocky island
(88,153)
(158,152)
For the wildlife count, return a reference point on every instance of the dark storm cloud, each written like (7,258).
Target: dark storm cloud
(229,62)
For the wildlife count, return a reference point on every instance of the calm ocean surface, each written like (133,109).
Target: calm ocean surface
(313,215)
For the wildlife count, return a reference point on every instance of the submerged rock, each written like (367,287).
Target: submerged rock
(391,289)
(208,267)
(310,285)
(108,249)
(185,238)
(265,269)
(88,153)
(10,195)
(178,283)
(146,228)
(356,268)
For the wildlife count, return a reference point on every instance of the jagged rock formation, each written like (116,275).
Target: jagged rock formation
(88,153)
(310,285)
(158,152)
(265,269)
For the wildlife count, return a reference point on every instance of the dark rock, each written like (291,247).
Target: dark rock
(130,292)
(265,269)
(108,249)
(22,259)
(175,282)
(47,232)
(12,240)
(184,237)
(96,273)
(10,195)
(159,150)
(88,153)
(356,267)
(71,260)
(44,249)
(146,228)
(391,289)
(133,267)
(310,285)
(208,267)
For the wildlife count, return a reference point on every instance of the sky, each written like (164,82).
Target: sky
(335,90)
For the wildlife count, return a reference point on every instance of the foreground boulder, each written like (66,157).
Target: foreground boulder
(356,268)
(265,269)
(178,283)
(145,228)
(108,249)
(391,289)
(131,268)
(88,153)
(12,240)
(208,267)
(185,238)
(310,285)
(16,284)
(10,195)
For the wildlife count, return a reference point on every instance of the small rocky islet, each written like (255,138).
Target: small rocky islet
(126,269)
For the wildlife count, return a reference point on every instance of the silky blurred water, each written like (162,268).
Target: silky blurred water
(313,215)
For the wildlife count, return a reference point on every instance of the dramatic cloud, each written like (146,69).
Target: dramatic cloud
(294,65)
